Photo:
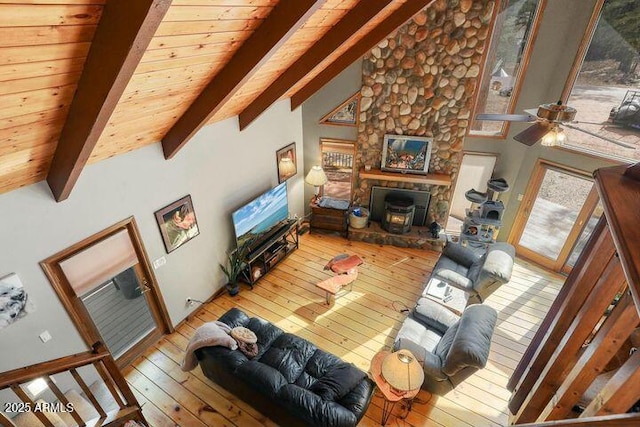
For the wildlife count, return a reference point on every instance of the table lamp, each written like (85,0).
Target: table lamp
(317,178)
(402,371)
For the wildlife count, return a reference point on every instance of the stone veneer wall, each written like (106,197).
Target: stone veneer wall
(421,81)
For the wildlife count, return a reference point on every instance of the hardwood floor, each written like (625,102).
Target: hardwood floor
(357,326)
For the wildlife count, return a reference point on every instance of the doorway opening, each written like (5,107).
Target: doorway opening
(108,288)
(556,217)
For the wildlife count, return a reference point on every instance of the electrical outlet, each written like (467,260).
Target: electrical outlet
(190,302)
(159,262)
(45,336)
(520,197)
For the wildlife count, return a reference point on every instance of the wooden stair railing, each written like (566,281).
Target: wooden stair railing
(618,420)
(105,366)
(559,366)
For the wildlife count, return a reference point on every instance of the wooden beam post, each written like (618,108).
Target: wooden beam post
(122,36)
(283,21)
(633,171)
(620,393)
(566,354)
(608,340)
(590,266)
(620,196)
(366,43)
(362,13)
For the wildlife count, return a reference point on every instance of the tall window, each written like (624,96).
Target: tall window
(605,83)
(337,162)
(513,34)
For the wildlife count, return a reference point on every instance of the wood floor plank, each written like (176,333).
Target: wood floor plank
(355,326)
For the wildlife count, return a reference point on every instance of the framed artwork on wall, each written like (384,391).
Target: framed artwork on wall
(14,302)
(406,154)
(345,114)
(286,162)
(177,223)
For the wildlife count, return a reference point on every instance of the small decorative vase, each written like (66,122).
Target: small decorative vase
(435,228)
(233,289)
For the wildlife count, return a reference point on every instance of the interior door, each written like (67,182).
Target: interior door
(556,216)
(109,290)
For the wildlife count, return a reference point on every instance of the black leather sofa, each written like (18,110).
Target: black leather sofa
(290,380)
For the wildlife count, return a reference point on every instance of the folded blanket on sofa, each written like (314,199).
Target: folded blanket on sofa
(209,334)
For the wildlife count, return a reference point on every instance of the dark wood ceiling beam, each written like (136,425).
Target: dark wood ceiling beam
(333,39)
(283,21)
(123,34)
(365,44)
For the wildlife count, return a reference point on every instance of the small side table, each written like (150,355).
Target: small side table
(391,397)
(328,218)
(452,298)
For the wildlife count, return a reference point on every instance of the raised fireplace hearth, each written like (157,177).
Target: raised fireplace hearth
(398,214)
(417,237)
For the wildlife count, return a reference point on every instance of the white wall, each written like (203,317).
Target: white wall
(221,168)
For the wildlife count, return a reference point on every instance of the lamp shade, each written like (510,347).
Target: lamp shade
(402,371)
(316,177)
(555,136)
(286,166)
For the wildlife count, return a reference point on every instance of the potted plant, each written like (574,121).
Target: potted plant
(235,264)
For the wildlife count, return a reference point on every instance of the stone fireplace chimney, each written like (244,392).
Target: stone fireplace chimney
(421,81)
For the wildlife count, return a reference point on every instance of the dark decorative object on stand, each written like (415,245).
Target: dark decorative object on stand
(434,229)
(235,264)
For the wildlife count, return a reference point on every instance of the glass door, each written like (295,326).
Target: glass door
(556,217)
(108,289)
(120,311)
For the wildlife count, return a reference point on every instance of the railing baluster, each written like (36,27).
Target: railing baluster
(111,366)
(88,393)
(106,367)
(63,399)
(4,420)
(26,399)
(108,381)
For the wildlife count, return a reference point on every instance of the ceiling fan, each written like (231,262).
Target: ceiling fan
(546,125)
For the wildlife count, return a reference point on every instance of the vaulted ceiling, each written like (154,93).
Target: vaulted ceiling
(85,80)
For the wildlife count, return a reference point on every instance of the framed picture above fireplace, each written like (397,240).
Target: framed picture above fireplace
(406,154)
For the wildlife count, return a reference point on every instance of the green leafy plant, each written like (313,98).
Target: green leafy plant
(234,265)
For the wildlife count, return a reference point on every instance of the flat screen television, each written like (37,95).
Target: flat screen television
(258,220)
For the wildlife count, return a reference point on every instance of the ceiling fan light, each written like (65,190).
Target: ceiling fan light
(561,137)
(549,140)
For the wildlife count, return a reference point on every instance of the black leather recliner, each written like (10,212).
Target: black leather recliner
(290,380)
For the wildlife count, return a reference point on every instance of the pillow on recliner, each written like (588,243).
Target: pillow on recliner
(460,254)
(337,382)
(434,315)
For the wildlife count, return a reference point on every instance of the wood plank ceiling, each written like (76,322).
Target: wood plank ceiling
(44,45)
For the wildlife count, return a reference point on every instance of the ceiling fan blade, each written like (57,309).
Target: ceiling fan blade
(588,132)
(531,111)
(532,134)
(507,117)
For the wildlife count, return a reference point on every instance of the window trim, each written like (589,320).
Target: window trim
(569,84)
(520,75)
(582,50)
